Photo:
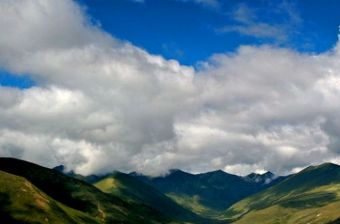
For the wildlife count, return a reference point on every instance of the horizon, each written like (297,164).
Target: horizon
(169,172)
(210,171)
(150,86)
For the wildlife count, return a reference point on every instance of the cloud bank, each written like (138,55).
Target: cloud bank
(102,104)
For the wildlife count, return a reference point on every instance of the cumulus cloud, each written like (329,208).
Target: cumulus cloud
(101,104)
(103,99)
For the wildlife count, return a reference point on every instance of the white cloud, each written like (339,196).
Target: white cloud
(258,30)
(209,3)
(249,22)
(102,104)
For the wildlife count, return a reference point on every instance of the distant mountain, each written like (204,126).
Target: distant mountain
(265,178)
(60,168)
(89,179)
(131,189)
(33,194)
(208,193)
(310,196)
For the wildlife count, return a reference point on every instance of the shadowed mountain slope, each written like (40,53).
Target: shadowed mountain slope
(131,189)
(33,194)
(77,195)
(22,202)
(208,193)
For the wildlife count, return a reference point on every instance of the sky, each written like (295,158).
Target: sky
(149,85)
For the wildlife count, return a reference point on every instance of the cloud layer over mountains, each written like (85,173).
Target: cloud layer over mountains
(101,104)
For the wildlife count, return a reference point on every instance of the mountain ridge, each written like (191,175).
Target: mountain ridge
(204,192)
(79,196)
(309,196)
(313,190)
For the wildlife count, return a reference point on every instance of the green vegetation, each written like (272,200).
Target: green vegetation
(311,196)
(193,203)
(208,194)
(33,194)
(69,198)
(22,202)
(132,190)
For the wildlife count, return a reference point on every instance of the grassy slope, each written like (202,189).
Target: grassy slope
(207,194)
(193,204)
(311,196)
(34,194)
(131,189)
(22,202)
(80,196)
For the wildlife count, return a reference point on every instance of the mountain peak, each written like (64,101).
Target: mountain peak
(60,168)
(268,174)
(264,178)
(329,164)
(134,173)
(218,172)
(177,172)
(323,166)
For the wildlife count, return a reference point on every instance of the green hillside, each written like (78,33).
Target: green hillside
(70,198)
(131,189)
(310,196)
(207,194)
(32,194)
(22,202)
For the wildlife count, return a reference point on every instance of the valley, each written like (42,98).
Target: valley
(33,194)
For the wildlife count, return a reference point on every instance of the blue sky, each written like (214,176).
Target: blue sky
(191,31)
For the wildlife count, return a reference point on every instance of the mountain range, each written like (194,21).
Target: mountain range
(208,194)
(30,193)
